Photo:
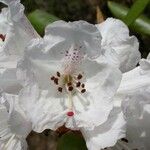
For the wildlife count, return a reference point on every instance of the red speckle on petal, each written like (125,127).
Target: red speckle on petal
(70,113)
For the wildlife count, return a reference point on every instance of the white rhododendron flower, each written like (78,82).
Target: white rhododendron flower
(15,33)
(70,86)
(134,91)
(115,37)
(14,125)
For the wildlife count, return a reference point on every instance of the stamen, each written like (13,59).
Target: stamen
(52,78)
(78,84)
(2,37)
(79,76)
(83,90)
(83,85)
(56,81)
(70,113)
(58,74)
(60,89)
(70,88)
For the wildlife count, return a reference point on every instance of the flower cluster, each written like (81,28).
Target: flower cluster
(79,75)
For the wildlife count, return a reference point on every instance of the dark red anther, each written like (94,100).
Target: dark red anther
(70,88)
(2,37)
(58,74)
(78,84)
(56,80)
(70,113)
(83,85)
(60,89)
(83,90)
(79,76)
(52,78)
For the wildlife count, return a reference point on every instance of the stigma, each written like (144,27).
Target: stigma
(70,113)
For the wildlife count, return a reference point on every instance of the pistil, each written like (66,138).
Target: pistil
(71,84)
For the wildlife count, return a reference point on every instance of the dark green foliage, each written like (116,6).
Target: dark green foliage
(71,141)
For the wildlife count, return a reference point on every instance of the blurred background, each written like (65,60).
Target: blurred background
(42,12)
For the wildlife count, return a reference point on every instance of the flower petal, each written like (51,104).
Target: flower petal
(48,113)
(107,134)
(20,29)
(18,32)
(79,33)
(136,108)
(134,95)
(115,35)
(14,143)
(136,79)
(14,126)
(94,106)
(8,79)
(37,65)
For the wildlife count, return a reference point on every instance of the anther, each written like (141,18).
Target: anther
(79,76)
(70,113)
(78,84)
(83,85)
(70,88)
(56,80)
(58,74)
(52,78)
(60,89)
(83,90)
(2,37)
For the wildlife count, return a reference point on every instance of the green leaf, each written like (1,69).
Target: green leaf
(140,25)
(71,141)
(135,11)
(40,19)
